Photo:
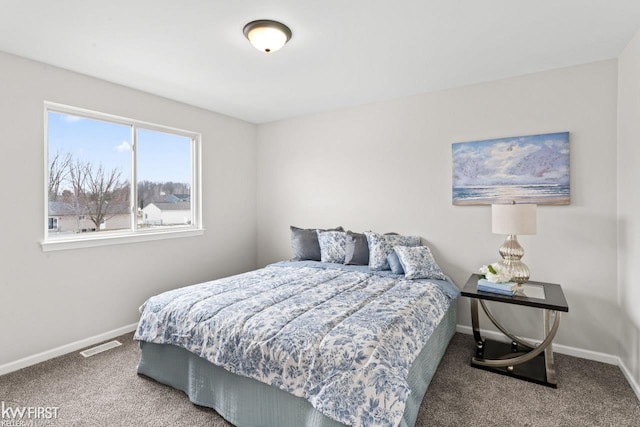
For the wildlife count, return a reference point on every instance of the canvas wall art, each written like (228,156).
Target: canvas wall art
(524,169)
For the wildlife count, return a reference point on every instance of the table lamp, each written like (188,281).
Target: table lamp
(513,219)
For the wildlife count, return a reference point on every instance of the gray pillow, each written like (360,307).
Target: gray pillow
(304,243)
(394,263)
(357,249)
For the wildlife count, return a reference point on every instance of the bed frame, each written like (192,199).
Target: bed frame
(246,402)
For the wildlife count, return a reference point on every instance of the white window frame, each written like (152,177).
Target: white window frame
(116,237)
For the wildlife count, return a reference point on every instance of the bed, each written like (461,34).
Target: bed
(301,343)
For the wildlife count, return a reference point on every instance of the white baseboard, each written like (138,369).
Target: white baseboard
(609,359)
(65,349)
(630,379)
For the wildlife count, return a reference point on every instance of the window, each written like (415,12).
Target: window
(112,179)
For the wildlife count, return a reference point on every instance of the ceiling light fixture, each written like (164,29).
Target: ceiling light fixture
(266,35)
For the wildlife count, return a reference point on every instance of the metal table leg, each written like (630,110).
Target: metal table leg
(533,350)
(476,324)
(549,364)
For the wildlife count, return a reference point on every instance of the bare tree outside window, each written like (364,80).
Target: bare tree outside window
(88,190)
(98,194)
(59,168)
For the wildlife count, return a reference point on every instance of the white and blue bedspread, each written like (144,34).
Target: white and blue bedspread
(342,338)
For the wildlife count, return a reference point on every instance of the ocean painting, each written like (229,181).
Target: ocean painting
(524,169)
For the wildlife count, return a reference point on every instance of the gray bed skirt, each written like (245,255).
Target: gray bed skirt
(246,402)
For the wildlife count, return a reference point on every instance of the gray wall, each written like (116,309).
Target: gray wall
(629,205)
(55,298)
(384,166)
(387,167)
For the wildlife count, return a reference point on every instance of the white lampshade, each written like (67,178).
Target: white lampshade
(513,219)
(267,36)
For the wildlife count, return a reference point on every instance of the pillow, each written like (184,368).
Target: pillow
(304,243)
(418,263)
(357,249)
(394,263)
(332,245)
(381,245)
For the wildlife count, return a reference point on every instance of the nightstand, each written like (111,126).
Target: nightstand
(519,358)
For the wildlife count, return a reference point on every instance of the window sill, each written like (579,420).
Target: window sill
(61,244)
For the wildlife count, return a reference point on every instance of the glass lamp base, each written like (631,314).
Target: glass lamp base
(511,253)
(517,269)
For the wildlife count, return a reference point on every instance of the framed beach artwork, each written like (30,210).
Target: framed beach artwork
(524,169)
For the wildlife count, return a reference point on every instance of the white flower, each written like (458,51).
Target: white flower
(499,274)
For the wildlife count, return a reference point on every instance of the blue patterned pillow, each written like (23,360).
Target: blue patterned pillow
(381,245)
(332,246)
(418,263)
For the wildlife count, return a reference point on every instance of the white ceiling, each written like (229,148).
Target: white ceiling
(343,52)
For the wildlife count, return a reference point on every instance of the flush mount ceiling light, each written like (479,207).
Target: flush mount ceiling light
(266,35)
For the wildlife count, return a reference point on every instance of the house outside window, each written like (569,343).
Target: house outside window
(105,172)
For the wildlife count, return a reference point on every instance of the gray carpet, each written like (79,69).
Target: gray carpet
(104,390)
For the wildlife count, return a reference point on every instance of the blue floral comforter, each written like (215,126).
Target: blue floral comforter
(342,339)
